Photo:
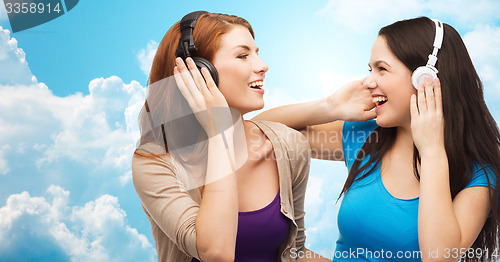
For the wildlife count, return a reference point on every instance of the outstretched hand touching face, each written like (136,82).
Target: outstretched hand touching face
(352,102)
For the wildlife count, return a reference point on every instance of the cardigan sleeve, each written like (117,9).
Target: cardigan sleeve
(299,154)
(166,200)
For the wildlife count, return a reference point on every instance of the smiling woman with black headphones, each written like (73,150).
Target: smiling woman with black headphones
(202,202)
(423,177)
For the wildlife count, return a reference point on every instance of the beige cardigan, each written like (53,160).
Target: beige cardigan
(171,209)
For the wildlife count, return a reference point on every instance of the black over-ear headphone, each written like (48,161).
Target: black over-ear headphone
(429,69)
(187,48)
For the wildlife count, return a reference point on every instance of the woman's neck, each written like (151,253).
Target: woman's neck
(403,145)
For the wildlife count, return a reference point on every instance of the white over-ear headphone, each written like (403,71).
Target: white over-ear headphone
(429,69)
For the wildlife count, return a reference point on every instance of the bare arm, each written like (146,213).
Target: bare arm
(299,116)
(217,219)
(319,120)
(446,227)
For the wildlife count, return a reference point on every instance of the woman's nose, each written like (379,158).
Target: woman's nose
(369,83)
(260,66)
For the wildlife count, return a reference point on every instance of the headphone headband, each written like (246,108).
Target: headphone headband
(187,48)
(438,41)
(186,42)
(430,70)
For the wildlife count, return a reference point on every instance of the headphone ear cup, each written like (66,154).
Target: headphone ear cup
(420,73)
(202,62)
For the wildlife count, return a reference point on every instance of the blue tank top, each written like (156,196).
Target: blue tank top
(260,233)
(373,224)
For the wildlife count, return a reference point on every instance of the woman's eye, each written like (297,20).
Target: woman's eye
(242,56)
(382,69)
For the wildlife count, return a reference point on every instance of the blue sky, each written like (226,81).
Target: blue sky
(70,91)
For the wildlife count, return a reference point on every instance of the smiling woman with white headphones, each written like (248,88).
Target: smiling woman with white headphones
(423,177)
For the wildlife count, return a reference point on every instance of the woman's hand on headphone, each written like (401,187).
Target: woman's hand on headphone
(427,122)
(207,102)
(352,102)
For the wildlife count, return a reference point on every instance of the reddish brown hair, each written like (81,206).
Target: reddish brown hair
(207,34)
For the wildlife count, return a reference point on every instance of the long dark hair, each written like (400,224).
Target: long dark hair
(471,134)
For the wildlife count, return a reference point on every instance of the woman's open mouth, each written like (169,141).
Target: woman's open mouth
(379,102)
(257,86)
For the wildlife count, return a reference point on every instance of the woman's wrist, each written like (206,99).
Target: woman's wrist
(433,153)
(328,109)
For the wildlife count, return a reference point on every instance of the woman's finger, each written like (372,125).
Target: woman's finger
(413,108)
(369,115)
(188,79)
(438,96)
(182,87)
(429,95)
(422,105)
(367,99)
(200,82)
(212,87)
(188,88)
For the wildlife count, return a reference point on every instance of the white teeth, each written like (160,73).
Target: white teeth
(378,99)
(258,84)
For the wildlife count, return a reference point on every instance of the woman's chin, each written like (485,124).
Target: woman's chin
(248,109)
(380,122)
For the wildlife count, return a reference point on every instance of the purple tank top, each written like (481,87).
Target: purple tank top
(260,233)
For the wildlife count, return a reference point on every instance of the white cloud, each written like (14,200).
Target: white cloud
(94,128)
(314,186)
(13,63)
(98,129)
(4,165)
(323,189)
(96,231)
(366,15)
(331,82)
(15,71)
(482,44)
(465,13)
(146,56)
(125,178)
(89,129)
